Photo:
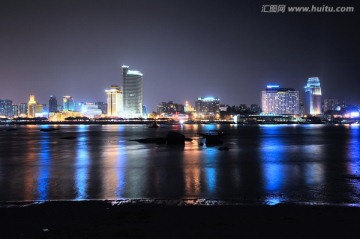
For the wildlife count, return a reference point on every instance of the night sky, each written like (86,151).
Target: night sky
(185,49)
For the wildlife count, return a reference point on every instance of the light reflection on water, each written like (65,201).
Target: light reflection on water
(265,164)
(44,168)
(82,165)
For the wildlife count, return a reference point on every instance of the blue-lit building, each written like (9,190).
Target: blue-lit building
(52,104)
(69,104)
(23,109)
(282,101)
(208,107)
(132,92)
(6,108)
(313,96)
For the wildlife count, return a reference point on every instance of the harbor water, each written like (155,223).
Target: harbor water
(268,164)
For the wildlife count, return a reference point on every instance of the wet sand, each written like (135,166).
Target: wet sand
(103,219)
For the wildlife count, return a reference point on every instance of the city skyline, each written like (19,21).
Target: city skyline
(230,50)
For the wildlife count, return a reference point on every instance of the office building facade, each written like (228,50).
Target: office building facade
(31,107)
(52,104)
(208,107)
(276,100)
(114,101)
(6,108)
(68,103)
(132,92)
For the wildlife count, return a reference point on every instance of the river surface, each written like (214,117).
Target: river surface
(268,164)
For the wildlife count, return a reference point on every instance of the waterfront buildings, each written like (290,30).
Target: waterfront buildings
(6,108)
(31,105)
(63,115)
(40,110)
(91,110)
(331,104)
(313,96)
(208,107)
(114,101)
(132,92)
(276,100)
(15,110)
(23,109)
(170,108)
(189,109)
(102,106)
(68,103)
(52,104)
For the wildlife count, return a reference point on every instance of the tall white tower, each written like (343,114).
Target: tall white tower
(132,92)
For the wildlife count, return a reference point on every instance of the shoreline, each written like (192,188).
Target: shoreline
(109,219)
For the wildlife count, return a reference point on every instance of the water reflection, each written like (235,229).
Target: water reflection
(192,173)
(270,164)
(29,174)
(44,167)
(211,156)
(114,163)
(273,155)
(353,154)
(81,164)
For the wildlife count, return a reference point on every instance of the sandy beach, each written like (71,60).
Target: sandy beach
(109,219)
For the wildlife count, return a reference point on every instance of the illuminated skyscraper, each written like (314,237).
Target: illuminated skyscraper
(276,100)
(114,101)
(313,96)
(132,92)
(69,104)
(31,107)
(52,104)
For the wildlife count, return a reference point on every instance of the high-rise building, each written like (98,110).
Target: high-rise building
(208,107)
(23,109)
(114,101)
(6,108)
(132,92)
(313,96)
(69,104)
(52,104)
(276,100)
(31,107)
(15,110)
(331,104)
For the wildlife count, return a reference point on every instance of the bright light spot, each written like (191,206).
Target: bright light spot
(272,86)
(354,114)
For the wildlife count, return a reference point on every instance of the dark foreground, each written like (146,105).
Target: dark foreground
(101,219)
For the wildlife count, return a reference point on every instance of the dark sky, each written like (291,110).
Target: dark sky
(185,49)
